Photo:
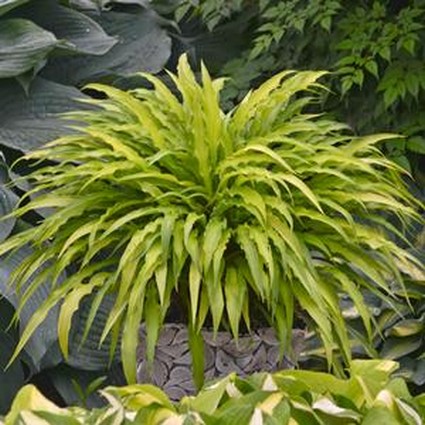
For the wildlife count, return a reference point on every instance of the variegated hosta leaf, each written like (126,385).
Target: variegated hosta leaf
(162,194)
(284,398)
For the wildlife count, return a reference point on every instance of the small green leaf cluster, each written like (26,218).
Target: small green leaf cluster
(402,78)
(370,396)
(372,40)
(163,195)
(212,12)
(291,16)
(374,49)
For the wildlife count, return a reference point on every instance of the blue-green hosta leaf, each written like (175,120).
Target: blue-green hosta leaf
(86,5)
(23,45)
(98,5)
(88,354)
(8,201)
(397,347)
(80,33)
(27,121)
(144,46)
(107,3)
(42,346)
(6,5)
(413,370)
(11,378)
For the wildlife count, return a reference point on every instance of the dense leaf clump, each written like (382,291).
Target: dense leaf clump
(162,194)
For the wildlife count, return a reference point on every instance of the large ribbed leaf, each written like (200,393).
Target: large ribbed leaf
(23,45)
(8,201)
(28,121)
(41,346)
(80,33)
(143,3)
(88,354)
(104,4)
(6,5)
(144,46)
(86,5)
(12,378)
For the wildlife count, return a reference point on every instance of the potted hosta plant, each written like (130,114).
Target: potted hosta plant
(164,199)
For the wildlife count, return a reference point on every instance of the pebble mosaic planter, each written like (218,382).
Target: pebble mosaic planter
(256,352)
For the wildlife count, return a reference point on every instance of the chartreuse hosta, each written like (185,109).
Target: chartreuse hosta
(162,193)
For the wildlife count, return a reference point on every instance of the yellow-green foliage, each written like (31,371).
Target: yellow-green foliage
(368,397)
(162,193)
